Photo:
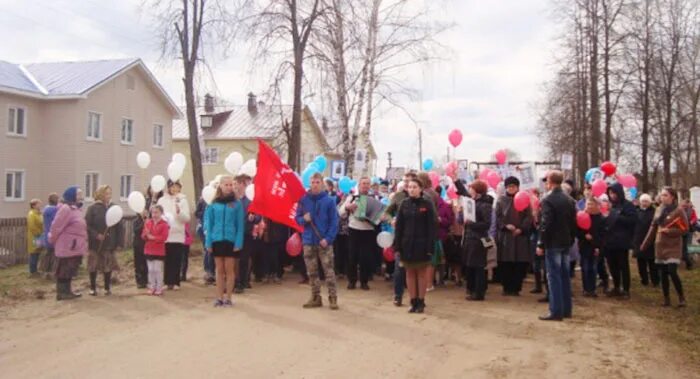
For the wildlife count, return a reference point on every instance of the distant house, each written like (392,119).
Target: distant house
(79,123)
(224,129)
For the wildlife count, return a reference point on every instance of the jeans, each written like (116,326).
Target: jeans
(557,262)
(399,279)
(209,264)
(589,270)
(33,262)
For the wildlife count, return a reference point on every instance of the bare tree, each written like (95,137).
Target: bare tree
(184,28)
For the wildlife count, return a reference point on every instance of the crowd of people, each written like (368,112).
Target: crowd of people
(434,240)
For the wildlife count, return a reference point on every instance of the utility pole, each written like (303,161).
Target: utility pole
(448,154)
(389,159)
(420,149)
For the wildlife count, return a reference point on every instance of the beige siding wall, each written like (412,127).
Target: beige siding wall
(57,153)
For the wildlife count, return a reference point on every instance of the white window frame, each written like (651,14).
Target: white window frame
(162,135)
(206,159)
(89,126)
(131,132)
(14,172)
(123,196)
(13,133)
(90,192)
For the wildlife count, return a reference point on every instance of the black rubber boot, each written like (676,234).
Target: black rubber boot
(414,304)
(420,305)
(93,283)
(108,283)
(538,283)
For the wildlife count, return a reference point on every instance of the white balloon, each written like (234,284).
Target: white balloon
(168,217)
(385,239)
(143,159)
(175,171)
(180,159)
(136,202)
(233,162)
(208,194)
(114,215)
(400,186)
(158,183)
(249,168)
(250,192)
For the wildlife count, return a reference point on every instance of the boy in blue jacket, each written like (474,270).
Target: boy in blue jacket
(317,214)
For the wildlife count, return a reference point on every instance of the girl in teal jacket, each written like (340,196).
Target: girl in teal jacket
(224,226)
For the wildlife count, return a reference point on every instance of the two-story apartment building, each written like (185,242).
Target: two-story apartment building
(79,123)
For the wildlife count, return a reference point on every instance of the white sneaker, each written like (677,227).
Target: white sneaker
(431,288)
(176,288)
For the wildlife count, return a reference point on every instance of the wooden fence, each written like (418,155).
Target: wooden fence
(13,239)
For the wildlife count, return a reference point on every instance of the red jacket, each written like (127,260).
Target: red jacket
(155,246)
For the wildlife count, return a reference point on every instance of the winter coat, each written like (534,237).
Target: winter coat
(447,218)
(474,252)
(224,220)
(668,246)
(557,228)
(35,227)
(512,248)
(620,222)
(644,219)
(49,214)
(596,231)
(416,230)
(176,220)
(249,225)
(155,246)
(68,232)
(324,216)
(97,224)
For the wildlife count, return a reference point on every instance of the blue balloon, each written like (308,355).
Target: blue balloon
(306,177)
(345,184)
(375,180)
(322,162)
(633,192)
(594,174)
(313,166)
(443,193)
(385,201)
(428,164)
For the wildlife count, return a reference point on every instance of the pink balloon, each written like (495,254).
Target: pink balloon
(451,168)
(455,137)
(294,245)
(627,180)
(452,192)
(493,179)
(599,187)
(521,201)
(583,220)
(484,175)
(434,178)
(535,202)
(501,156)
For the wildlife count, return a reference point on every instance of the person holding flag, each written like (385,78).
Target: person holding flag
(317,214)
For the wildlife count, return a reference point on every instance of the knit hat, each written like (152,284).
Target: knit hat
(512,180)
(70,195)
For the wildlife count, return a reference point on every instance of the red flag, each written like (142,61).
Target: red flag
(277,189)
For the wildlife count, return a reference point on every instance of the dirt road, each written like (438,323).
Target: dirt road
(267,334)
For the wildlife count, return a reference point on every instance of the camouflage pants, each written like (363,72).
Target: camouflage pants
(312,254)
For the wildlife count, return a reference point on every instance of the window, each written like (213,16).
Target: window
(127,131)
(16,122)
(125,186)
(130,83)
(157,135)
(14,185)
(92,180)
(94,129)
(211,155)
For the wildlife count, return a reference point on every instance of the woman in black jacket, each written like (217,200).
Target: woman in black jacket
(475,233)
(416,231)
(645,258)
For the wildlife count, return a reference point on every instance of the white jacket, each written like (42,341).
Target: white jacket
(354,223)
(177,221)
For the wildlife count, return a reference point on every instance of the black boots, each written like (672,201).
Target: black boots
(63,290)
(93,284)
(417,306)
(538,283)
(108,283)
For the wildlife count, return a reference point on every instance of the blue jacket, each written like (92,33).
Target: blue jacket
(49,214)
(324,216)
(224,221)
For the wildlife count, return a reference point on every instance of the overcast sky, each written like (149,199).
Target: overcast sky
(502,53)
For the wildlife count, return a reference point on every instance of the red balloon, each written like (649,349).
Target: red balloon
(434,178)
(599,187)
(535,202)
(452,192)
(493,179)
(501,156)
(521,201)
(455,137)
(583,220)
(451,168)
(294,245)
(484,174)
(389,254)
(608,168)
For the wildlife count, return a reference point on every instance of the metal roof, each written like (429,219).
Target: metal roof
(236,122)
(12,76)
(76,78)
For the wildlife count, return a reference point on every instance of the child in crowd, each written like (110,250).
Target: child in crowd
(155,233)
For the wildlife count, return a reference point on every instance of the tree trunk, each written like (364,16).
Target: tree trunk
(594,95)
(294,153)
(195,152)
(372,80)
(606,83)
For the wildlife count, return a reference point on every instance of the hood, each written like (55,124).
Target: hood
(226,199)
(617,189)
(486,198)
